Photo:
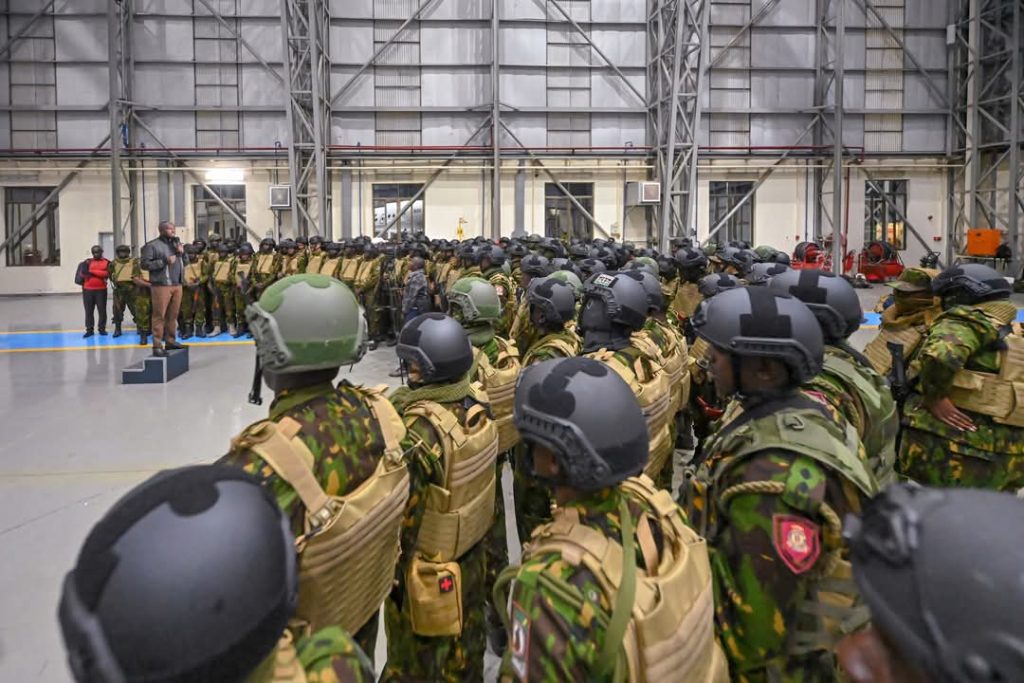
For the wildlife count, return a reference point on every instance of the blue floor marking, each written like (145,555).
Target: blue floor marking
(73,340)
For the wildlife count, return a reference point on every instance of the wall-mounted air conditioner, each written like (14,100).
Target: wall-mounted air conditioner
(643,194)
(280,196)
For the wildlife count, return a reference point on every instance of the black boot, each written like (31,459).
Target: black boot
(117,330)
(88,333)
(143,337)
(200,332)
(186,331)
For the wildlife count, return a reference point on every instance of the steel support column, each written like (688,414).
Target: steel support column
(496,119)
(121,68)
(677,65)
(837,135)
(305,25)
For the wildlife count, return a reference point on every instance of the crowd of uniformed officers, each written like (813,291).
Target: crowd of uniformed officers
(709,482)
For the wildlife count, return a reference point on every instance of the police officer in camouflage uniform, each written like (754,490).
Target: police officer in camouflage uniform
(492,263)
(782,471)
(222,278)
(323,446)
(532,266)
(193,306)
(617,551)
(964,423)
(124,289)
(435,622)
(943,587)
(158,595)
(907,320)
(847,379)
(266,268)
(143,301)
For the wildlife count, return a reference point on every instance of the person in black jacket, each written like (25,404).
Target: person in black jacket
(165,259)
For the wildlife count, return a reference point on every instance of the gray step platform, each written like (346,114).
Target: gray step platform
(153,370)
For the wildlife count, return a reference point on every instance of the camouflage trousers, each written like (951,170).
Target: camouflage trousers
(240,304)
(374,312)
(224,309)
(934,461)
(449,659)
(143,308)
(496,552)
(124,297)
(193,306)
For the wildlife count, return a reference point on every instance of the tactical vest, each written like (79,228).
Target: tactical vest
(193,273)
(222,272)
(144,274)
(330,266)
(688,299)
(368,270)
(291,264)
(315,262)
(670,632)
(832,607)
(565,344)
(881,421)
(460,511)
(350,545)
(998,395)
(499,381)
(650,385)
(908,335)
(675,363)
(441,273)
(265,263)
(349,270)
(242,270)
(122,273)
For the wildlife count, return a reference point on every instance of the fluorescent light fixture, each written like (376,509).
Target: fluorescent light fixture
(225,176)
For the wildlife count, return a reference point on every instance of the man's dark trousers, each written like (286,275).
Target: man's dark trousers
(95,298)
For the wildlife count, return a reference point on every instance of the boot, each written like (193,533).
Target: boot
(158,351)
(88,333)
(103,332)
(200,331)
(117,330)
(143,337)
(233,331)
(186,331)
(208,328)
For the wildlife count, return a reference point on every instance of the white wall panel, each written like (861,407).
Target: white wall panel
(163,39)
(352,129)
(359,94)
(523,88)
(162,84)
(618,10)
(777,130)
(610,130)
(928,48)
(355,9)
(453,131)
(264,129)
(81,38)
(175,129)
(455,89)
(924,134)
(522,9)
(164,7)
(73,7)
(622,47)
(258,87)
(925,14)
(608,90)
(788,13)
(781,90)
(269,8)
(775,50)
(531,129)
(81,130)
(463,45)
(459,9)
(265,37)
(521,46)
(82,84)
(351,44)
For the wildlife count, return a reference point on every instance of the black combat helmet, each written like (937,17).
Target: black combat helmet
(761,273)
(617,298)
(652,288)
(535,265)
(713,284)
(970,283)
(587,416)
(159,594)
(438,345)
(833,300)
(758,323)
(554,299)
(124,251)
(941,574)
(494,254)
(267,245)
(693,263)
(591,266)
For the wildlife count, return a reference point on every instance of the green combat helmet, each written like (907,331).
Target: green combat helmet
(304,323)
(570,278)
(473,300)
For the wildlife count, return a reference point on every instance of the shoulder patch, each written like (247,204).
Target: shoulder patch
(797,541)
(519,645)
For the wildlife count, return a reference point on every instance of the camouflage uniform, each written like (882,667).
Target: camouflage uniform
(121,272)
(770,536)
(265,271)
(447,659)
(193,304)
(936,454)
(340,430)
(143,302)
(506,294)
(242,279)
(222,277)
(367,289)
(907,321)
(328,656)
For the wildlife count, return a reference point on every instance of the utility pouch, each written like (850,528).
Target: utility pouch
(434,591)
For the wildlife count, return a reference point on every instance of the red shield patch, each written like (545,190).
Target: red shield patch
(797,541)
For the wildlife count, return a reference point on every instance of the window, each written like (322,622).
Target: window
(724,196)
(212,217)
(562,218)
(36,237)
(389,199)
(885,207)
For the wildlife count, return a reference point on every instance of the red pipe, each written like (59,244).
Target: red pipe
(782,148)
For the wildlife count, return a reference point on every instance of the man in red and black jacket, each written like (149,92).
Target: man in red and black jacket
(93,274)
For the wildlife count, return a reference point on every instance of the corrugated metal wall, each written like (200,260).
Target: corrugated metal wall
(197,85)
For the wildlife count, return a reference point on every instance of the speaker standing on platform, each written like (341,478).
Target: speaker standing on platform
(92,275)
(165,259)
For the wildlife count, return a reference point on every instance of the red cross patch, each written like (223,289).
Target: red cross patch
(797,541)
(445,584)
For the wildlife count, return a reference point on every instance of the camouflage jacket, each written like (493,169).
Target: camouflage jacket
(761,513)
(503,284)
(262,279)
(549,347)
(963,337)
(121,268)
(339,429)
(553,640)
(328,656)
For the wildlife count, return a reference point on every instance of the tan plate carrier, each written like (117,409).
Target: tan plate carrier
(499,381)
(348,553)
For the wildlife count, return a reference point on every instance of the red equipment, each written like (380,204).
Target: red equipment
(880,262)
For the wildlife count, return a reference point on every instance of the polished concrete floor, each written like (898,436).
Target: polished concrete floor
(74,439)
